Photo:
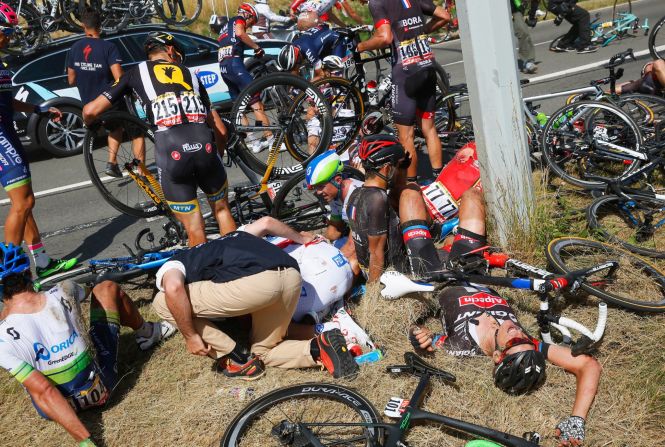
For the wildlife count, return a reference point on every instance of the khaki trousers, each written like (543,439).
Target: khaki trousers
(270,297)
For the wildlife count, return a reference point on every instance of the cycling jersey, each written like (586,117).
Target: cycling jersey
(460,306)
(326,275)
(266,16)
(319,42)
(191,161)
(14,169)
(54,342)
(233,256)
(168,92)
(338,206)
(370,214)
(229,44)
(320,7)
(92,59)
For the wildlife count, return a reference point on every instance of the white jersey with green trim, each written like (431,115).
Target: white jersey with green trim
(51,341)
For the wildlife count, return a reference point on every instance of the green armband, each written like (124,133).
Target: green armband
(87,443)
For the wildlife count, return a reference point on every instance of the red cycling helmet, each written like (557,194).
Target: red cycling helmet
(377,150)
(248,11)
(8,17)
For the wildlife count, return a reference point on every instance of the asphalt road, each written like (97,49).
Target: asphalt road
(78,222)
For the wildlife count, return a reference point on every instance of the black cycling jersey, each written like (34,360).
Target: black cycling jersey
(233,256)
(370,214)
(460,306)
(169,93)
(410,47)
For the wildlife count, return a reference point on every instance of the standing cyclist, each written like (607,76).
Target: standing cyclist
(401,24)
(266,17)
(184,148)
(578,37)
(527,52)
(14,169)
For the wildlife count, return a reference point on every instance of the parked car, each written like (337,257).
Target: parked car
(40,78)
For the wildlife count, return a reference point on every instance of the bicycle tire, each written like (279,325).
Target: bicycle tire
(635,274)
(29,34)
(648,111)
(577,141)
(444,105)
(313,212)
(289,96)
(115,15)
(123,193)
(82,275)
(71,11)
(322,400)
(630,222)
(653,43)
(343,95)
(173,5)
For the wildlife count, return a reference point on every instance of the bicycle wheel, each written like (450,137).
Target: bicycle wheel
(298,124)
(636,284)
(115,14)
(173,12)
(347,105)
(657,40)
(301,207)
(71,11)
(648,111)
(81,275)
(589,138)
(335,414)
(28,35)
(122,193)
(634,222)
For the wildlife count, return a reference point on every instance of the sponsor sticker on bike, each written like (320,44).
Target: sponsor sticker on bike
(273,188)
(395,407)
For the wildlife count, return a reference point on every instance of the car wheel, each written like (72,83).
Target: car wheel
(63,138)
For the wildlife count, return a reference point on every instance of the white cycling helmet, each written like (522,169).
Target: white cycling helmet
(333,63)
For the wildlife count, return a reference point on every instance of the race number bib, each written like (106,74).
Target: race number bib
(395,407)
(194,109)
(415,50)
(168,109)
(224,52)
(440,204)
(95,395)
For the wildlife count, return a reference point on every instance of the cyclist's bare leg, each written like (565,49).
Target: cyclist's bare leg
(194,226)
(433,142)
(406,135)
(472,211)
(19,217)
(658,68)
(114,140)
(260,115)
(109,296)
(222,212)
(138,149)
(412,205)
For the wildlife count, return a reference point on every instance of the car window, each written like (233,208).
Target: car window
(190,44)
(46,67)
(124,53)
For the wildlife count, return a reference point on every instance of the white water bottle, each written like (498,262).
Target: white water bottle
(372,93)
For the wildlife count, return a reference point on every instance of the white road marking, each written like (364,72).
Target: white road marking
(59,189)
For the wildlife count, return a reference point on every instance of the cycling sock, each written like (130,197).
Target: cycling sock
(420,247)
(39,255)
(238,356)
(436,172)
(466,241)
(314,350)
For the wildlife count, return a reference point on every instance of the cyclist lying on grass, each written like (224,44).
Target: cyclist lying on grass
(381,236)
(477,321)
(241,274)
(652,81)
(45,346)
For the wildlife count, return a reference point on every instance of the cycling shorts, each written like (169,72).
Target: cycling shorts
(413,95)
(14,169)
(235,75)
(187,158)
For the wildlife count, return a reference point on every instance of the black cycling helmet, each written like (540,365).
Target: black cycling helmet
(163,39)
(377,150)
(289,57)
(521,372)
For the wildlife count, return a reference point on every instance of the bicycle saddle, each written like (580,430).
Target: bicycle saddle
(418,367)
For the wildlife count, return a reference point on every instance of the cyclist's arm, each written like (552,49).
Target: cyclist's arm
(71,76)
(243,36)
(440,16)
(349,252)
(377,245)
(352,13)
(270,15)
(54,405)
(336,20)
(335,228)
(116,71)
(382,37)
(587,374)
(103,102)
(269,225)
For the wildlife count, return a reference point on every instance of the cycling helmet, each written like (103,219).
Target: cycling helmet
(216,23)
(13,260)
(323,168)
(164,39)
(372,123)
(289,57)
(377,150)
(248,11)
(333,63)
(520,372)
(8,17)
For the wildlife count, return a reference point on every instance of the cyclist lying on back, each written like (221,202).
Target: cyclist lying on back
(44,345)
(185,152)
(652,81)
(433,206)
(477,321)
(312,46)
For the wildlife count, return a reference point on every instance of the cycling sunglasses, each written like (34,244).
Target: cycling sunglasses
(7,30)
